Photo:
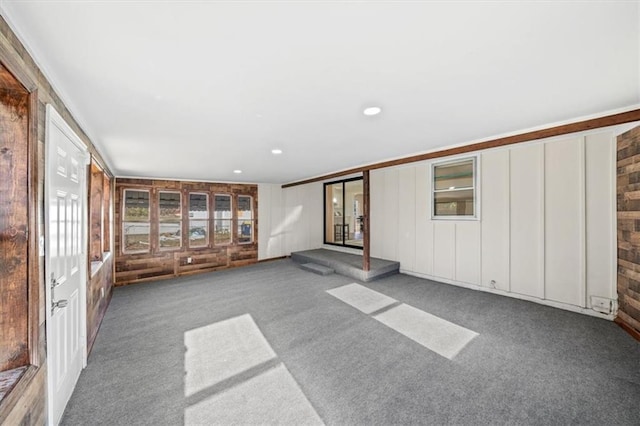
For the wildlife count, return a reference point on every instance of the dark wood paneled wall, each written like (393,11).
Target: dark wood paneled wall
(628,198)
(14,222)
(25,405)
(140,267)
(100,284)
(98,298)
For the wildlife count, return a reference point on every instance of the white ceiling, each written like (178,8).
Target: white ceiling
(194,90)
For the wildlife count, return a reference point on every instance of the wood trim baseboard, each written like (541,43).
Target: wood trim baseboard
(626,327)
(579,126)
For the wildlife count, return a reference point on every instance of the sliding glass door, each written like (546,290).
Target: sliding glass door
(343,213)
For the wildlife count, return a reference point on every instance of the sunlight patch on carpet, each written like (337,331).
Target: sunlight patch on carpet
(222,350)
(434,333)
(362,298)
(272,397)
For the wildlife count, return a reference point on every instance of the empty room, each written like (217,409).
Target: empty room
(319,212)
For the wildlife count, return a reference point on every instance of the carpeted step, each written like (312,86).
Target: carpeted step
(317,269)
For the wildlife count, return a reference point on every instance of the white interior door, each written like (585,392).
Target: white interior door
(65,190)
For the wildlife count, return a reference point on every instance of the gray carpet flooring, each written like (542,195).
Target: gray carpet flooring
(530,364)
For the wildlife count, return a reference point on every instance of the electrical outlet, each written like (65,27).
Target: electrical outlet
(493,283)
(189,260)
(601,304)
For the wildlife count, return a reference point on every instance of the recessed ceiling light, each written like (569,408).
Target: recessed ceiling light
(237,171)
(372,110)
(276,151)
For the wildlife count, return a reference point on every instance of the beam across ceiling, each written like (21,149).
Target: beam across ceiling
(579,126)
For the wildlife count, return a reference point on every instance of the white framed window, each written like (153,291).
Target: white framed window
(198,219)
(222,219)
(454,187)
(136,223)
(170,220)
(245,219)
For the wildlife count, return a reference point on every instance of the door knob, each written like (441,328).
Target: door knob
(58,304)
(54,283)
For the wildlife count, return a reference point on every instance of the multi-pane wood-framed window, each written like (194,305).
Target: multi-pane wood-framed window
(169,220)
(222,219)
(455,189)
(245,219)
(198,219)
(99,213)
(136,221)
(208,231)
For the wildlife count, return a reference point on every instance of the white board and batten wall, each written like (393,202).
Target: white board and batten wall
(545,232)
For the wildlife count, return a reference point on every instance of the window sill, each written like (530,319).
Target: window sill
(18,387)
(169,249)
(96,265)
(459,218)
(8,380)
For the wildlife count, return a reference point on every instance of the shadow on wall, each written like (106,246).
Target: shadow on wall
(283,228)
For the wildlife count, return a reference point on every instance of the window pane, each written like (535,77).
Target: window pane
(198,233)
(344,214)
(198,206)
(170,235)
(136,236)
(136,205)
(452,176)
(353,212)
(169,206)
(334,214)
(245,209)
(245,219)
(222,207)
(454,203)
(245,231)
(222,231)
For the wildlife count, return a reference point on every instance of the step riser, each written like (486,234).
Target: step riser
(347,268)
(317,269)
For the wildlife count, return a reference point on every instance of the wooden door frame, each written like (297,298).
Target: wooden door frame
(324,208)
(366,240)
(33,270)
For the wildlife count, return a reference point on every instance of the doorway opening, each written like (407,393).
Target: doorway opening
(344,213)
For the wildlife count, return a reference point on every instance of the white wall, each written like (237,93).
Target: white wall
(546,227)
(289,219)
(270,222)
(546,230)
